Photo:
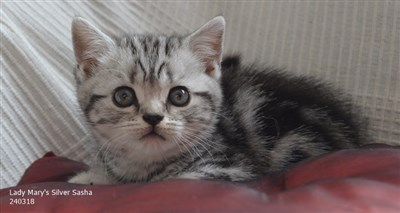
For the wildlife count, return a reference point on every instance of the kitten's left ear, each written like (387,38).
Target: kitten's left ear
(90,44)
(207,42)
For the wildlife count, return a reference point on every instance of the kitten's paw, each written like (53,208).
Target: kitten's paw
(89,178)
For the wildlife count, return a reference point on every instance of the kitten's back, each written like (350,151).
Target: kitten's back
(295,117)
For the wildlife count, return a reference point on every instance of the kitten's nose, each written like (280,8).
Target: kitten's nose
(152,119)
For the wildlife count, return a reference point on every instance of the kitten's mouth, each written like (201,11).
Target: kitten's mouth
(152,134)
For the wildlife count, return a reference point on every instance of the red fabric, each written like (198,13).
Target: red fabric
(363,180)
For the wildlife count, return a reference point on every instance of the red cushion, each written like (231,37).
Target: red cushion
(363,180)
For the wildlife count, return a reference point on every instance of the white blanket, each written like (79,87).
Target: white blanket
(355,45)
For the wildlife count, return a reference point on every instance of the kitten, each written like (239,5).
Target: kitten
(165,107)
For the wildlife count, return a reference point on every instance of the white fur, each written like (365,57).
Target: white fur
(91,177)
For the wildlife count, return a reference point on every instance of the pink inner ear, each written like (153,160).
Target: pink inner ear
(87,63)
(206,43)
(89,45)
(210,68)
(213,57)
(88,66)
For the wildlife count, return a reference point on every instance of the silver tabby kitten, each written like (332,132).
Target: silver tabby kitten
(164,107)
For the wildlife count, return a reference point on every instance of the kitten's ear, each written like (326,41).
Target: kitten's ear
(207,42)
(89,44)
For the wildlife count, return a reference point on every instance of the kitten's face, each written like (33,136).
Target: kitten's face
(149,96)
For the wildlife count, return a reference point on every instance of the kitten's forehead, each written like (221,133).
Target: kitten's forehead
(152,55)
(151,64)
(152,45)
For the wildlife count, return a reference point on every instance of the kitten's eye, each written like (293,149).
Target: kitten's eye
(179,96)
(124,97)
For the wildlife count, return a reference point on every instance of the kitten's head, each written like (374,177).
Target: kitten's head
(149,95)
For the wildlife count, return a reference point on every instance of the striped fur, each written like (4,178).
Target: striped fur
(241,122)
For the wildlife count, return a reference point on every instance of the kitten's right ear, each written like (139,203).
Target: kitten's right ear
(89,44)
(206,43)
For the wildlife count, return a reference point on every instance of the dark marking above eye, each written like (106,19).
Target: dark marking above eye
(132,47)
(142,68)
(145,45)
(167,41)
(169,75)
(156,46)
(160,69)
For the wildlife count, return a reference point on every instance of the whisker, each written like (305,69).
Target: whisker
(205,141)
(201,143)
(179,141)
(105,148)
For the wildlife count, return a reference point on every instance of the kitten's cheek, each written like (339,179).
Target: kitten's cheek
(105,132)
(102,130)
(171,132)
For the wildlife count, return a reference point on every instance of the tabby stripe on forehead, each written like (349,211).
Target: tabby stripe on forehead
(167,41)
(156,46)
(160,69)
(132,47)
(169,75)
(93,99)
(152,74)
(144,42)
(142,68)
(171,43)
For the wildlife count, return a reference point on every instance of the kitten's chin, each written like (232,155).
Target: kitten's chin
(144,147)
(152,136)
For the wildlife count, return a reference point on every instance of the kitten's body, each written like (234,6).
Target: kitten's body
(240,122)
